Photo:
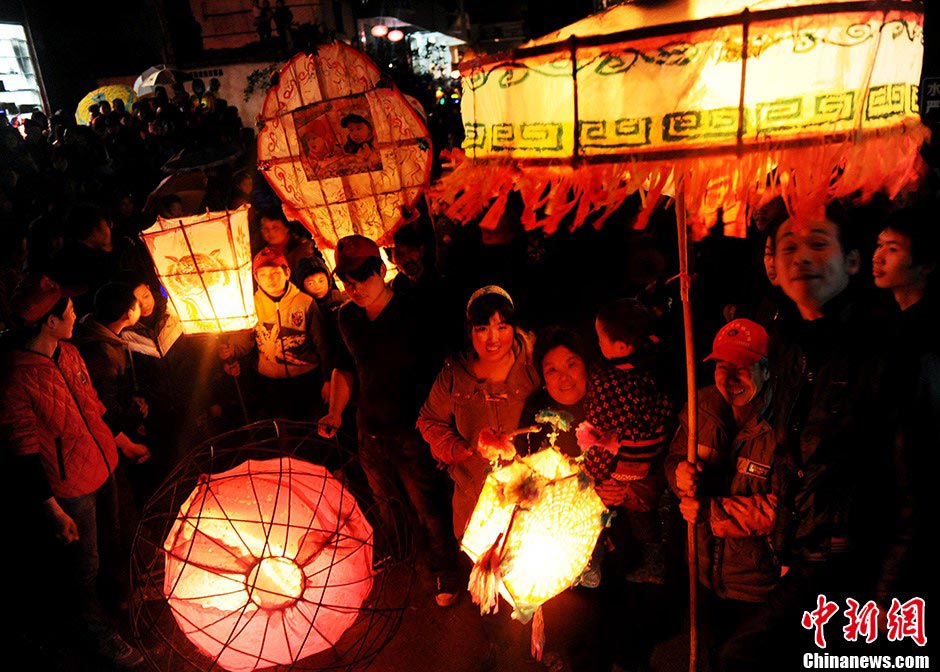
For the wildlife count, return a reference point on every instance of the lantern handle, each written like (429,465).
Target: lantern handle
(226,340)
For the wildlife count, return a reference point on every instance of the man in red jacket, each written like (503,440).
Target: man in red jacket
(51,417)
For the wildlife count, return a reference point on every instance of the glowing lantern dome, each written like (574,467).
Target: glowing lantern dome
(267,563)
(204,261)
(536,522)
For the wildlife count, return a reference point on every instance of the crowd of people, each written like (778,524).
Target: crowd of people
(821,401)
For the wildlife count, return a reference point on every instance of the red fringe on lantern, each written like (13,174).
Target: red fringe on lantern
(806,176)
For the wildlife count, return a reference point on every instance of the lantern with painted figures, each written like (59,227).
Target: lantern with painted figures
(267,563)
(204,262)
(532,532)
(104,94)
(346,154)
(738,99)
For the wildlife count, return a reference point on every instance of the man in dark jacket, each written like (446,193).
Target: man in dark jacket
(840,526)
(97,337)
(389,354)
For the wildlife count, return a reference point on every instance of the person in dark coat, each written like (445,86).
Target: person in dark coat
(387,352)
(843,518)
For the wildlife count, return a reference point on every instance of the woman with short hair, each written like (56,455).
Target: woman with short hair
(483,389)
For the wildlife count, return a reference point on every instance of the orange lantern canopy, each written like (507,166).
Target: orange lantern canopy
(204,262)
(344,154)
(739,100)
(267,563)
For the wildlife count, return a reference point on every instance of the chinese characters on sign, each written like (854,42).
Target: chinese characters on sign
(902,620)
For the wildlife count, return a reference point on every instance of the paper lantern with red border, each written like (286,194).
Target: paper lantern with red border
(740,100)
(344,152)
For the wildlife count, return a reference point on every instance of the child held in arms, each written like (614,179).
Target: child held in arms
(624,435)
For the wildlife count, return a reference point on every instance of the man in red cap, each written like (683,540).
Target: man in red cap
(293,355)
(727,493)
(390,350)
(64,453)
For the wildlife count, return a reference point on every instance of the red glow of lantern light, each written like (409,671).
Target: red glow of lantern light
(267,563)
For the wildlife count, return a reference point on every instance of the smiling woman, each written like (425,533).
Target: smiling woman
(561,358)
(483,388)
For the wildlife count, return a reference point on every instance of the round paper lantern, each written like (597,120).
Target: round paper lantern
(343,153)
(257,550)
(267,563)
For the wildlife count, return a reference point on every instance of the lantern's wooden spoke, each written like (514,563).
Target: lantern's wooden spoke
(231,522)
(330,555)
(261,517)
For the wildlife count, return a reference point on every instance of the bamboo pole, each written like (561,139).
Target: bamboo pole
(684,283)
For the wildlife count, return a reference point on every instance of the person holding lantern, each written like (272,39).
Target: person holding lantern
(478,397)
(65,455)
(727,494)
(561,358)
(292,350)
(390,354)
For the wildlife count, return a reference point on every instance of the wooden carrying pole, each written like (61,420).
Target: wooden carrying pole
(684,283)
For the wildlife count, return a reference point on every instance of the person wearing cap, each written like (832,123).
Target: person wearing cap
(727,493)
(293,354)
(64,454)
(390,352)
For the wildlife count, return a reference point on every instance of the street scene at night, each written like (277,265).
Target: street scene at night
(468,336)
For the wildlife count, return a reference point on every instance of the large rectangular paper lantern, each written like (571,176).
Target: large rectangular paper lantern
(741,99)
(204,261)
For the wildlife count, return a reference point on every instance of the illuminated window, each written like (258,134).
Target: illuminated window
(19,85)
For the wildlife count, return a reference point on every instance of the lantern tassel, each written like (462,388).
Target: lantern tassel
(538,634)
(485,578)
